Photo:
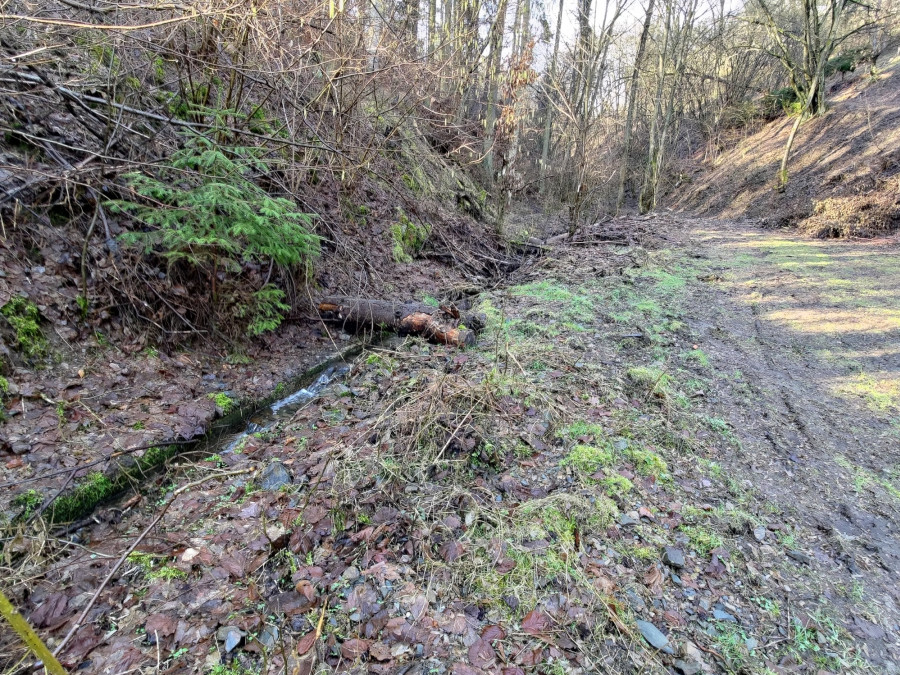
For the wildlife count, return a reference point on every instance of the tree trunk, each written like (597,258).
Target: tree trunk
(551,82)
(492,76)
(435,324)
(632,96)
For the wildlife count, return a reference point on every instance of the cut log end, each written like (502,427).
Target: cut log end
(406,319)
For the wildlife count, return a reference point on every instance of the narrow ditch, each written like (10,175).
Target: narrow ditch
(127,472)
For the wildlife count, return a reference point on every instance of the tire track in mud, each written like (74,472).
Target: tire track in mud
(795,433)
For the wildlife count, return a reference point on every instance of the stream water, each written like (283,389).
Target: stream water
(282,409)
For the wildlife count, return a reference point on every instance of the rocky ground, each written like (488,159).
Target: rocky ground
(675,454)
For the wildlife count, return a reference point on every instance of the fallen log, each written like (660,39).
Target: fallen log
(437,324)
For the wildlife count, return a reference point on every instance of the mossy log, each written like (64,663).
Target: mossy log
(437,324)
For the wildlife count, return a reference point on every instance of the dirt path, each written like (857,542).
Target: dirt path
(814,328)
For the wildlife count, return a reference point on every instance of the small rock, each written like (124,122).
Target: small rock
(800,557)
(274,476)
(654,637)
(637,602)
(751,644)
(673,557)
(20,448)
(627,519)
(231,636)
(351,573)
(268,636)
(722,615)
(759,533)
(687,667)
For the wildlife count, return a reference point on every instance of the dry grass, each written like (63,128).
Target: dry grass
(869,215)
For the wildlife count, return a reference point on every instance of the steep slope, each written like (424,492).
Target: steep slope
(844,171)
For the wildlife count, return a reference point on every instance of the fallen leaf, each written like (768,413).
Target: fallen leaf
(160,624)
(491,633)
(306,589)
(715,568)
(505,565)
(644,512)
(481,654)
(654,580)
(306,643)
(353,648)
(535,623)
(452,551)
(380,651)
(50,611)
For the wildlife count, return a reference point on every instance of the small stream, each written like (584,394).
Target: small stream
(282,409)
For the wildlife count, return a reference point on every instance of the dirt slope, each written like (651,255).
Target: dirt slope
(844,174)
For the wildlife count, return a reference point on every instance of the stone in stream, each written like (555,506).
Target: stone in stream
(673,557)
(274,476)
(654,637)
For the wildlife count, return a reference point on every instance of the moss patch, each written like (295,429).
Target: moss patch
(408,238)
(24,318)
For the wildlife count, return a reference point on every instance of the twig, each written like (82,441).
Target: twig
(78,623)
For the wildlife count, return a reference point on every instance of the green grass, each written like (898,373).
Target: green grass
(702,539)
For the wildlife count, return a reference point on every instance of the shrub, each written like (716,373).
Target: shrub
(204,209)
(780,100)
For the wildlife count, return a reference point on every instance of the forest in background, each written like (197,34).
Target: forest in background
(220,142)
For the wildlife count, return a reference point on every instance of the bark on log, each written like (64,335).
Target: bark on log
(437,324)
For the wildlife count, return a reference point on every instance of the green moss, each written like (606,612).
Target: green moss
(616,485)
(588,458)
(159,69)
(98,487)
(646,462)
(4,387)
(643,553)
(148,563)
(28,501)
(23,316)
(223,401)
(582,429)
(95,489)
(408,238)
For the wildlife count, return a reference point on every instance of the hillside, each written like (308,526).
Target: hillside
(844,172)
